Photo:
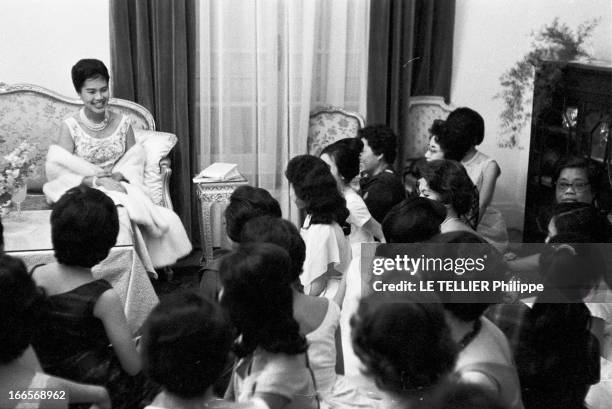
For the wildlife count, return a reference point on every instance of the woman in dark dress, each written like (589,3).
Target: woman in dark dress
(84,335)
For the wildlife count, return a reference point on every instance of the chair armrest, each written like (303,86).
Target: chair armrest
(166,171)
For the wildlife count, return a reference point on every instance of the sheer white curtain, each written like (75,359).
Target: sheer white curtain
(264,65)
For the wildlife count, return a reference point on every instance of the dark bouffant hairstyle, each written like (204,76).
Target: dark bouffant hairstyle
(186,343)
(463,129)
(584,219)
(247,202)
(465,245)
(413,220)
(557,356)
(21,303)
(84,227)
(259,301)
(571,265)
(86,69)
(403,341)
(382,140)
(449,179)
(458,395)
(345,154)
(267,229)
(316,187)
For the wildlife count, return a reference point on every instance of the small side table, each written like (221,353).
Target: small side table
(210,193)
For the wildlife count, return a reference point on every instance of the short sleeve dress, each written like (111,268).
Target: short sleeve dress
(71,343)
(325,244)
(275,373)
(492,225)
(334,390)
(358,217)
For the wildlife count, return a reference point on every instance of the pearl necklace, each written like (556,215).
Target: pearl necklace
(94,126)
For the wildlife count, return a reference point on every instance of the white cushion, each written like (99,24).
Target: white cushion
(157,146)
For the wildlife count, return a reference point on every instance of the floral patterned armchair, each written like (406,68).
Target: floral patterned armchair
(422,111)
(34,114)
(330,124)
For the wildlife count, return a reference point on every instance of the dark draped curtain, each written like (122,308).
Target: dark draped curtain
(153,62)
(411,53)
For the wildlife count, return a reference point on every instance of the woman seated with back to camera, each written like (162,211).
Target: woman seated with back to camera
(245,203)
(85,315)
(485,357)
(404,345)
(21,306)
(96,147)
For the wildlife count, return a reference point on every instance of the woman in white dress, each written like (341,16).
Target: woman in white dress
(456,139)
(328,252)
(343,159)
(318,317)
(272,363)
(96,147)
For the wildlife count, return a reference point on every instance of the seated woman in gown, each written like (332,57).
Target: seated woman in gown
(96,147)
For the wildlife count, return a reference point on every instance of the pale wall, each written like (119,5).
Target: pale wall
(40,40)
(490,37)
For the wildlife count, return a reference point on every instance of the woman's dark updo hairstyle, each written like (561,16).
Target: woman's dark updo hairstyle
(449,179)
(186,343)
(88,69)
(345,154)
(382,140)
(557,356)
(246,203)
(465,245)
(21,304)
(453,394)
(584,219)
(413,220)
(316,187)
(571,265)
(403,341)
(259,300)
(84,227)
(462,129)
(267,229)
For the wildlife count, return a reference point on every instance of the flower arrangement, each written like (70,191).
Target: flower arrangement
(15,168)
(555,41)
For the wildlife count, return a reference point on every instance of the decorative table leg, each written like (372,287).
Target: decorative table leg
(207,233)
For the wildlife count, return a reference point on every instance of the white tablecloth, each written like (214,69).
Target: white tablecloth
(30,240)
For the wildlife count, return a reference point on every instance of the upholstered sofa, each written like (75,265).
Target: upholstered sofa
(34,114)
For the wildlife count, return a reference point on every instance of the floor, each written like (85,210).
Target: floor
(186,276)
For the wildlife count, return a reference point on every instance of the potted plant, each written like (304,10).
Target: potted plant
(555,41)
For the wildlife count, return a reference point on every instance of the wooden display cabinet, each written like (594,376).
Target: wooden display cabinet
(572,111)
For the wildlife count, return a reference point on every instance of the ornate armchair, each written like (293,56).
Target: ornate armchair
(330,124)
(34,114)
(422,111)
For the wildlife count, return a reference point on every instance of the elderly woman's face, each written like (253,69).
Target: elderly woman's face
(434,151)
(95,94)
(573,186)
